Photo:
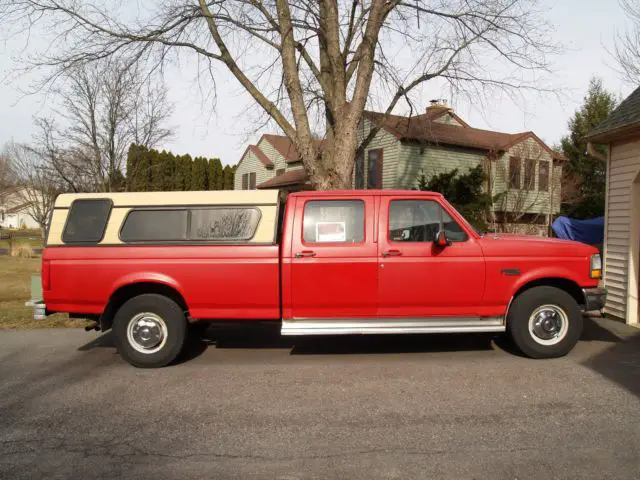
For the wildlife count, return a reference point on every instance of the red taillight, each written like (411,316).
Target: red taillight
(46,275)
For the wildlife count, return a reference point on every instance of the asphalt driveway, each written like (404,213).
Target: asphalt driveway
(258,406)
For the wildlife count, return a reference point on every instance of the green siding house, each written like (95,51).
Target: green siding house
(523,172)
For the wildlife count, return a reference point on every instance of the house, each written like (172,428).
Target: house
(523,172)
(621,132)
(15,209)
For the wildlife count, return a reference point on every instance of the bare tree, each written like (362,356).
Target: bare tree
(6,175)
(627,45)
(39,184)
(327,56)
(105,106)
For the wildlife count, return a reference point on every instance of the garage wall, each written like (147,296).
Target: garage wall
(621,248)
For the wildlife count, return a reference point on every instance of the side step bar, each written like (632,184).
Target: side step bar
(351,326)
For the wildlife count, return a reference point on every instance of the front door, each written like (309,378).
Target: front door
(417,279)
(334,261)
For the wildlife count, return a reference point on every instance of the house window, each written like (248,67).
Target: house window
(360,171)
(543,177)
(374,170)
(514,172)
(529,174)
(245,181)
(333,221)
(252,181)
(279,171)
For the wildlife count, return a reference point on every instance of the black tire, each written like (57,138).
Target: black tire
(522,309)
(160,307)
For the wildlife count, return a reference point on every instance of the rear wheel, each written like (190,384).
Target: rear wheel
(150,330)
(545,322)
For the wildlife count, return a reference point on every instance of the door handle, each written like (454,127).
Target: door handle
(305,253)
(392,253)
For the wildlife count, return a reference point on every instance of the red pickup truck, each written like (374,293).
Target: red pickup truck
(322,263)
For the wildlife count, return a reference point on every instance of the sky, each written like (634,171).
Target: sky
(224,127)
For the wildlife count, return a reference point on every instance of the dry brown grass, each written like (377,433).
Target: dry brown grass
(22,250)
(15,290)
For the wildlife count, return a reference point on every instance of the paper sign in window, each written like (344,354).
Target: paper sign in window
(331,232)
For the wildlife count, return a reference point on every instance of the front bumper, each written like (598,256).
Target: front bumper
(594,298)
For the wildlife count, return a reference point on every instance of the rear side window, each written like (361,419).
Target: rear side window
(334,221)
(87,221)
(155,226)
(224,223)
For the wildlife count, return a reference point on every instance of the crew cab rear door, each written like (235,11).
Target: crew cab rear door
(333,258)
(417,279)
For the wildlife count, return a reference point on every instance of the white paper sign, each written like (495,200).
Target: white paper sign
(331,232)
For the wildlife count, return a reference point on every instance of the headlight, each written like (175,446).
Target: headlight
(596,266)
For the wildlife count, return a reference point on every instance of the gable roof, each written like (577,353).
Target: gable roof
(292,177)
(422,128)
(259,155)
(622,120)
(283,145)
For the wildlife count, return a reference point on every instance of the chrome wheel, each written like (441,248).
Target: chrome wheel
(548,324)
(147,332)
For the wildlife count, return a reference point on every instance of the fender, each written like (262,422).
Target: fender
(146,277)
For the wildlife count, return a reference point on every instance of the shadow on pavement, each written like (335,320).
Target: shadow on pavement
(619,363)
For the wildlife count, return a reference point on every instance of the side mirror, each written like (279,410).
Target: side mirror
(441,239)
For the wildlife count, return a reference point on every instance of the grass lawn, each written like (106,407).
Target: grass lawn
(15,285)
(33,242)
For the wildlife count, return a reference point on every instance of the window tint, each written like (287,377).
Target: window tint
(419,221)
(359,180)
(543,176)
(374,172)
(87,221)
(529,174)
(154,226)
(224,223)
(514,172)
(333,221)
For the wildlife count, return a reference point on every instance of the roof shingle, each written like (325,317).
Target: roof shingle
(625,115)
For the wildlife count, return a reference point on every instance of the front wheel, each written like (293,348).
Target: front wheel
(544,322)
(150,330)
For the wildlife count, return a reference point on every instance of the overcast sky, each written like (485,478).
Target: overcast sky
(585,27)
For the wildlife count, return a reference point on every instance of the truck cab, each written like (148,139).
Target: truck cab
(320,263)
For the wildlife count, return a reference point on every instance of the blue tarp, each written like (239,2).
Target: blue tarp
(586,231)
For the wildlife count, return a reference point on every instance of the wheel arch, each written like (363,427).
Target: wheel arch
(127,291)
(565,284)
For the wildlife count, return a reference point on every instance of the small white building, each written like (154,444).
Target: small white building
(621,132)
(15,209)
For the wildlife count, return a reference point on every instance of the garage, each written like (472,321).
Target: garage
(621,132)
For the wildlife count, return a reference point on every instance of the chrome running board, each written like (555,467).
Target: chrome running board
(351,326)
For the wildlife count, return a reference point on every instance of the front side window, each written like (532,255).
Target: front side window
(333,221)
(87,221)
(155,226)
(218,224)
(419,221)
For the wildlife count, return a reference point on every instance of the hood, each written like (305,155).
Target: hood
(507,244)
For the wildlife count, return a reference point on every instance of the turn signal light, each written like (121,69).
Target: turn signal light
(596,266)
